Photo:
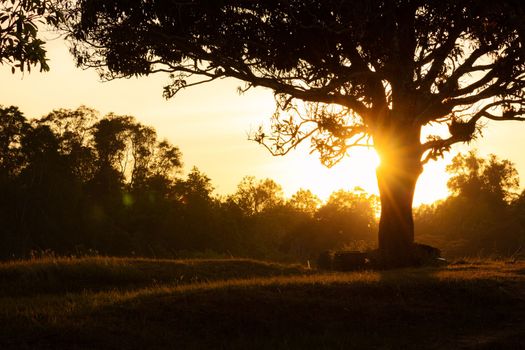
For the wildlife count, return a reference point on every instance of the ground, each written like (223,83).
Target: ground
(110,303)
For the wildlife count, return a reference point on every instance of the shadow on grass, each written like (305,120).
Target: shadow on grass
(404,309)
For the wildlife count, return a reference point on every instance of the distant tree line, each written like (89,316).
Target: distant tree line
(74,183)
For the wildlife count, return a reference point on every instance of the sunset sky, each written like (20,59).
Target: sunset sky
(210,124)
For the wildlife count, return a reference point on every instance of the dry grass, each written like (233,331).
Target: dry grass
(108,303)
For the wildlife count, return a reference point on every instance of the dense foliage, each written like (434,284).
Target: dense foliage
(75,183)
(485,215)
(21,44)
(72,182)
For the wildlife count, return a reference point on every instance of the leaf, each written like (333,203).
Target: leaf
(31,28)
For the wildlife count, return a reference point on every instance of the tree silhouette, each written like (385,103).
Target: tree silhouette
(496,180)
(254,197)
(304,201)
(350,214)
(197,223)
(20,45)
(13,126)
(73,130)
(346,221)
(366,70)
(485,192)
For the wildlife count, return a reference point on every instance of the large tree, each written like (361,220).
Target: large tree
(345,73)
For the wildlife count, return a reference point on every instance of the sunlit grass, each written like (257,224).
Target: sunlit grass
(63,274)
(110,303)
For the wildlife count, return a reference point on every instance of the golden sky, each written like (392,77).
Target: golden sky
(210,124)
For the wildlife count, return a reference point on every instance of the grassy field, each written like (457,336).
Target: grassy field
(110,303)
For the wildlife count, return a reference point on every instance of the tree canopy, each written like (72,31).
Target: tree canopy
(474,177)
(380,61)
(21,46)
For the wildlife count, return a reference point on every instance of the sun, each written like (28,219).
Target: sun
(356,170)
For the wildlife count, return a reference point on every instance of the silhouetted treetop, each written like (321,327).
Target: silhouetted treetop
(255,196)
(196,189)
(13,127)
(494,179)
(304,201)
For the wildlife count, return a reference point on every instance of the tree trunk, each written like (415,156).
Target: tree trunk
(397,176)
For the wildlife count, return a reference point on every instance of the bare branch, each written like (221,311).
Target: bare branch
(312,95)
(465,68)
(438,57)
(465,131)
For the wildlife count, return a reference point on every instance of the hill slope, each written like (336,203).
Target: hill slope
(107,303)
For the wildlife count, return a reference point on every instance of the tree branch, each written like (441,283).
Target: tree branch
(438,58)
(437,147)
